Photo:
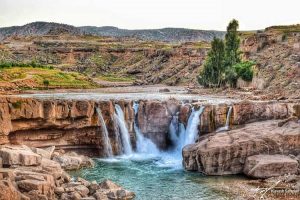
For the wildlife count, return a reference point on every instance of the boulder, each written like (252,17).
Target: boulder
(52,167)
(45,153)
(35,185)
(110,190)
(226,152)
(19,156)
(266,166)
(82,190)
(68,162)
(8,191)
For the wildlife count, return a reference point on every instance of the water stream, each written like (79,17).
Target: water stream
(227,125)
(107,145)
(127,148)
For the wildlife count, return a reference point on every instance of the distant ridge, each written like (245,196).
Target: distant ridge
(164,34)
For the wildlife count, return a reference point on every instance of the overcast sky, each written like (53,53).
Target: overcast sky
(141,14)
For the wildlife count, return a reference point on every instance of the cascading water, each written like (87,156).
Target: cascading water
(181,137)
(125,137)
(226,127)
(107,145)
(143,145)
(191,133)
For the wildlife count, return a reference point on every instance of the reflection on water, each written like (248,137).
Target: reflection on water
(150,177)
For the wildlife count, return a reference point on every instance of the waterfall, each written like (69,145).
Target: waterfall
(226,127)
(107,144)
(123,130)
(143,144)
(191,133)
(181,136)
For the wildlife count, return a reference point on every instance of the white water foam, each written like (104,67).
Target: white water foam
(127,148)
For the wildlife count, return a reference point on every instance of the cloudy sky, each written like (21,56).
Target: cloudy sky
(140,14)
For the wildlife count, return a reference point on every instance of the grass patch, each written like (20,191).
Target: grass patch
(115,78)
(40,76)
(285,29)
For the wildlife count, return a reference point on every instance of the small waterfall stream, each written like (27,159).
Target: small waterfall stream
(107,145)
(143,144)
(125,137)
(191,133)
(226,127)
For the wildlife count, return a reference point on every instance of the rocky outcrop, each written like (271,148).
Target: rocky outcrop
(154,118)
(266,166)
(74,124)
(226,153)
(48,180)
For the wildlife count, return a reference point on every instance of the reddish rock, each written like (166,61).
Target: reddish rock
(266,166)
(226,153)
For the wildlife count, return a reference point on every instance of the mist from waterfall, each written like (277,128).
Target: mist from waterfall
(107,145)
(125,137)
(143,145)
(226,127)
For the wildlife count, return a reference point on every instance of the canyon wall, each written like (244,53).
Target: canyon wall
(74,124)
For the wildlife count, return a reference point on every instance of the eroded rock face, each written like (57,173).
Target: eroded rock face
(226,153)
(154,118)
(266,166)
(8,191)
(74,123)
(19,156)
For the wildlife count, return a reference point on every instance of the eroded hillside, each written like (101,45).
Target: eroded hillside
(276,52)
(111,59)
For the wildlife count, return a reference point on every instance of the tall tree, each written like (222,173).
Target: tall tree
(232,44)
(212,73)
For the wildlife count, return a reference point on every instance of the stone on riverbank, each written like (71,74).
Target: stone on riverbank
(19,156)
(32,176)
(226,153)
(266,166)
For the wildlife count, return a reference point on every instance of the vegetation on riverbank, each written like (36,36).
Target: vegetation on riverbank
(223,65)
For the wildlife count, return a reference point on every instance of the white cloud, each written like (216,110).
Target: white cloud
(138,14)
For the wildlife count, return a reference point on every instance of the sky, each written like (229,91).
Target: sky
(151,14)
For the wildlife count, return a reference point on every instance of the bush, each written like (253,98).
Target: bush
(46,83)
(244,70)
(33,64)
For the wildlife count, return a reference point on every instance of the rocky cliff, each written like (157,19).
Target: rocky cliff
(74,124)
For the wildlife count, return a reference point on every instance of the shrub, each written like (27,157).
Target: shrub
(46,83)
(244,70)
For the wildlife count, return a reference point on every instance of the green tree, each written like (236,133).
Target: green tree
(212,73)
(232,44)
(223,64)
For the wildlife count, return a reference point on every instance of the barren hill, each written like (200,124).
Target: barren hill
(165,34)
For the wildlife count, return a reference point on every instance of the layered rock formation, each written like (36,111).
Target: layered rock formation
(74,124)
(226,153)
(28,175)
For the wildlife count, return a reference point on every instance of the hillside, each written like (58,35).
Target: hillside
(165,34)
(113,59)
(128,60)
(277,54)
